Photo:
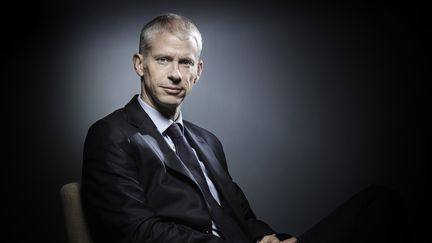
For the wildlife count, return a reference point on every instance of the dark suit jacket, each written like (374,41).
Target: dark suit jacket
(135,188)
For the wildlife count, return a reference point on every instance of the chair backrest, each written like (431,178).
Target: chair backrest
(76,226)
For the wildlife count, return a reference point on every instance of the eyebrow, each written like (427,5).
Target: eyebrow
(162,55)
(187,59)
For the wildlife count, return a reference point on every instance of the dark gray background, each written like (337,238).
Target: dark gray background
(312,103)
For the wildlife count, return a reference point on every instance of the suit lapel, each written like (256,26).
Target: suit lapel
(217,173)
(139,118)
(206,154)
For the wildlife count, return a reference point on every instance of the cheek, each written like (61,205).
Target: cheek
(189,85)
(153,76)
(190,80)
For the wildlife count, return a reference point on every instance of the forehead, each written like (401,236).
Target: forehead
(169,44)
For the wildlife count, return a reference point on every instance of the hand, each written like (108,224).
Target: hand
(273,239)
(290,240)
(269,239)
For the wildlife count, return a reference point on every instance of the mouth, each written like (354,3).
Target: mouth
(172,90)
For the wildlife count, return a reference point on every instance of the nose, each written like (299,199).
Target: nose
(174,75)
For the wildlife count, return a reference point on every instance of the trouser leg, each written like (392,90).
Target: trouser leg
(375,214)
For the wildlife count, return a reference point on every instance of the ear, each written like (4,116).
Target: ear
(137,61)
(199,70)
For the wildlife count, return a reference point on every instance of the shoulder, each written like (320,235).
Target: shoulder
(110,126)
(197,130)
(205,134)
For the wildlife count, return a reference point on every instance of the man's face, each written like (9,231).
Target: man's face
(169,70)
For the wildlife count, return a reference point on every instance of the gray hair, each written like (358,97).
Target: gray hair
(175,24)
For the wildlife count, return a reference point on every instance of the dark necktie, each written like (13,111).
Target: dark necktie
(231,231)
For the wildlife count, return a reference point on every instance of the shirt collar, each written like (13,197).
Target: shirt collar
(162,123)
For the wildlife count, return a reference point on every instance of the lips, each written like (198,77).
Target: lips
(173,90)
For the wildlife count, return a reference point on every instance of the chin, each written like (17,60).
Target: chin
(171,102)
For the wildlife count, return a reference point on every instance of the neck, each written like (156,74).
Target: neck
(171,112)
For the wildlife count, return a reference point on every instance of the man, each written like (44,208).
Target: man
(134,186)
(150,176)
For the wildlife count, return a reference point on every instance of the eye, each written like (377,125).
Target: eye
(162,60)
(187,63)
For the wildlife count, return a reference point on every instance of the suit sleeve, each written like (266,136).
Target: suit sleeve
(256,228)
(113,199)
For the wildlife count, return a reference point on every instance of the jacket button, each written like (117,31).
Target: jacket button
(207,231)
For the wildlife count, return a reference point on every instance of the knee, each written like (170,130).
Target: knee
(383,191)
(384,195)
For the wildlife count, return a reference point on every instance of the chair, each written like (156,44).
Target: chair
(76,226)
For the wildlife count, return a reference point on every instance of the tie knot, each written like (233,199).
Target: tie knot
(174,131)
